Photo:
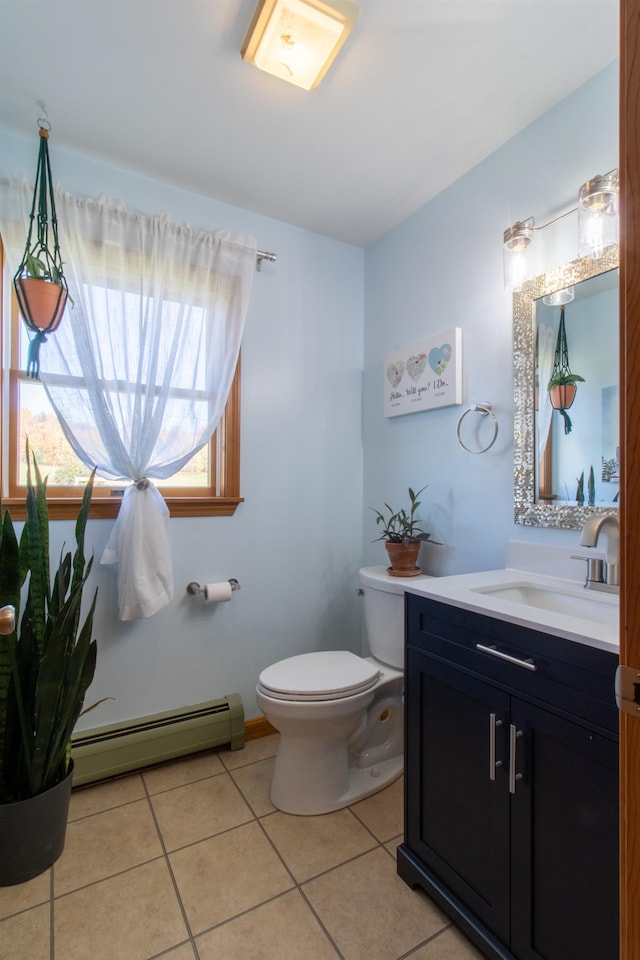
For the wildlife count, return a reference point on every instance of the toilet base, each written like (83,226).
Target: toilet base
(362,784)
(319,775)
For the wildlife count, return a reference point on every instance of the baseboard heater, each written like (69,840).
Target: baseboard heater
(119,748)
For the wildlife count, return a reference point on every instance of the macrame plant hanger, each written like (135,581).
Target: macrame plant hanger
(40,285)
(563,392)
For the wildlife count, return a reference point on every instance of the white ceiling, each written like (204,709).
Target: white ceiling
(422,91)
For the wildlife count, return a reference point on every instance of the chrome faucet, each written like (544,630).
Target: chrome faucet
(602,576)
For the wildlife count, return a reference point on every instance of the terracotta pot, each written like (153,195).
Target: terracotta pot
(563,396)
(41,302)
(403,559)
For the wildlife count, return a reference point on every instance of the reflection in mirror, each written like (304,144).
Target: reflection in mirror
(566,456)
(577,439)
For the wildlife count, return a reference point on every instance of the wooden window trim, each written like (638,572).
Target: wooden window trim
(224,455)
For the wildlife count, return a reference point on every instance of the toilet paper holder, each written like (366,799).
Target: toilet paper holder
(195,590)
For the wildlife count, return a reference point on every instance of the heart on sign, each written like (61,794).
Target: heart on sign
(416,365)
(394,373)
(439,357)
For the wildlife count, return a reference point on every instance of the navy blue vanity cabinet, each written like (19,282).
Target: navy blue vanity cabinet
(511,784)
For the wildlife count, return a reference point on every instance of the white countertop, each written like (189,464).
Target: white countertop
(460,591)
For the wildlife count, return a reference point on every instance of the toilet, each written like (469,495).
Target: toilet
(340,716)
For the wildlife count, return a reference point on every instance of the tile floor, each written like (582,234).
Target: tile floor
(190,861)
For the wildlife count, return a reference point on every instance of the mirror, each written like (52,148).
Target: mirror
(550,455)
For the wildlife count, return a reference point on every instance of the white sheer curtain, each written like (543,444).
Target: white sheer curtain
(140,368)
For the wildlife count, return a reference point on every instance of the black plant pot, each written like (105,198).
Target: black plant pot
(32,833)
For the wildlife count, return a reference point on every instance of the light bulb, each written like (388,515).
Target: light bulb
(517,254)
(598,214)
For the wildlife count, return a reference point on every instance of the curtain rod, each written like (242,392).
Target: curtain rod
(264,255)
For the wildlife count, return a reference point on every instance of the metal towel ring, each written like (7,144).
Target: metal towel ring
(485,410)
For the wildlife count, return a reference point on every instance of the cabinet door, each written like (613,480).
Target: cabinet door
(457,804)
(564,820)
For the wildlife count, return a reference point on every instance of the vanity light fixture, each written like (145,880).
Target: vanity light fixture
(517,253)
(597,229)
(598,214)
(298,40)
(560,297)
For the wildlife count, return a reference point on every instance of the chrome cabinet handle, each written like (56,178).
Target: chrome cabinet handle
(514,733)
(493,763)
(527,664)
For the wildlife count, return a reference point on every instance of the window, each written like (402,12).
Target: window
(209,485)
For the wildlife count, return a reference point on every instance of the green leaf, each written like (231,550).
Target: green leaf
(10,582)
(34,550)
(80,669)
(56,706)
(560,379)
(400,526)
(36,267)
(46,670)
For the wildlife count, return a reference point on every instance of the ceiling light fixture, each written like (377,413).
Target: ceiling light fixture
(597,229)
(298,40)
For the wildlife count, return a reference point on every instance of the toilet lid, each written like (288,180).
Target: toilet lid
(328,675)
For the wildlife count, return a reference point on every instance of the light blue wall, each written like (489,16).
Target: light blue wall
(295,543)
(308,411)
(442,268)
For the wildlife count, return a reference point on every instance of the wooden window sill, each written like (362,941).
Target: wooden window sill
(67,508)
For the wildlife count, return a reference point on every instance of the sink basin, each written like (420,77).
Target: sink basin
(551,604)
(599,608)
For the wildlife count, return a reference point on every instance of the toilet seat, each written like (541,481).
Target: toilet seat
(325,675)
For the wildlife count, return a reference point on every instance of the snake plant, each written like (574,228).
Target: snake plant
(48,661)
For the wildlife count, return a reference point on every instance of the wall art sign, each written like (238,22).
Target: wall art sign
(424,376)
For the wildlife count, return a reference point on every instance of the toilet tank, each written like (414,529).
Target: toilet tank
(384,613)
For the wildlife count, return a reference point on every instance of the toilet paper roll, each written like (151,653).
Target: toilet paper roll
(217,592)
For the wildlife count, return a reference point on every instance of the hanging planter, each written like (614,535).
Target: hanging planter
(41,301)
(40,285)
(562,385)
(562,395)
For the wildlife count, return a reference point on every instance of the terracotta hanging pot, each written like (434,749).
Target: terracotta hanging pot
(41,302)
(403,558)
(39,282)
(562,395)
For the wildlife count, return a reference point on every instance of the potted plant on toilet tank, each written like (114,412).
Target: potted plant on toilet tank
(47,661)
(402,536)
